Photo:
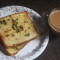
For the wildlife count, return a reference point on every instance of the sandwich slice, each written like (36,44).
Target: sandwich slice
(16,29)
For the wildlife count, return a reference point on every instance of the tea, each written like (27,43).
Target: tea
(55,19)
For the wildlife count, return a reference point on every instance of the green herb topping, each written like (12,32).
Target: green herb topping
(25,21)
(20,28)
(13,35)
(14,24)
(17,30)
(27,34)
(8,19)
(7,35)
(28,27)
(4,22)
(15,27)
(1,22)
(17,19)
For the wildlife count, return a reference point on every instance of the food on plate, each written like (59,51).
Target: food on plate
(16,30)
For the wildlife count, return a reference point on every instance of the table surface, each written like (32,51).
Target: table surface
(52,52)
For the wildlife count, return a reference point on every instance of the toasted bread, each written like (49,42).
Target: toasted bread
(14,50)
(16,29)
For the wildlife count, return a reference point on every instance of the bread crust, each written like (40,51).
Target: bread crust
(2,37)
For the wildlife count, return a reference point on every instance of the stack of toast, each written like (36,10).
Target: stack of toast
(16,31)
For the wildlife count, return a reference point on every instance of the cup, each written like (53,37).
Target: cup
(54,21)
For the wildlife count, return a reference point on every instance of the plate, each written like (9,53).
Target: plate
(34,48)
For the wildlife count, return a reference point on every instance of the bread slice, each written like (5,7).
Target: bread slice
(16,29)
(14,50)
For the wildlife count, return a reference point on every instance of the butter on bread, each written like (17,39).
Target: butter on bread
(16,29)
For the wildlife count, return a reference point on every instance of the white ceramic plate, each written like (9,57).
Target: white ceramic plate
(34,48)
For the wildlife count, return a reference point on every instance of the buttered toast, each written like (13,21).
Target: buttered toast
(16,29)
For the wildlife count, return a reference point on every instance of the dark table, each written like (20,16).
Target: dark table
(52,52)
